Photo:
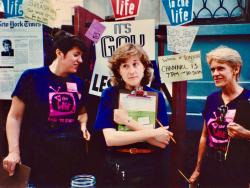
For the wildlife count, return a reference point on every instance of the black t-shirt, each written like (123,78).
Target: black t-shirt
(217,130)
(52,103)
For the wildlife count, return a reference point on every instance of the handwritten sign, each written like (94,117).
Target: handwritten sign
(12,8)
(40,11)
(139,32)
(125,8)
(179,12)
(180,38)
(180,67)
(95,31)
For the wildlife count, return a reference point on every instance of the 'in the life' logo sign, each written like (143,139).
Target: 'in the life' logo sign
(12,8)
(179,12)
(125,8)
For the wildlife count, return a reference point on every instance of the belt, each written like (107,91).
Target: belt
(217,155)
(135,150)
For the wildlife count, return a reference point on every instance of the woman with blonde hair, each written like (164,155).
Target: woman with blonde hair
(219,112)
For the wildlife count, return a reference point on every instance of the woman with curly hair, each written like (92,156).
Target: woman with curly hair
(134,157)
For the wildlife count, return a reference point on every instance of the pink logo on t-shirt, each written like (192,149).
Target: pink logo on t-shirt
(61,103)
(218,130)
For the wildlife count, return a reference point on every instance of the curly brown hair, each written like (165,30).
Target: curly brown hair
(121,55)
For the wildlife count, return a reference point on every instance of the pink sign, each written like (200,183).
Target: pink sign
(125,8)
(95,31)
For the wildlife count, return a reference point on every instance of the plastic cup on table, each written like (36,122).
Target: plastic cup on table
(83,180)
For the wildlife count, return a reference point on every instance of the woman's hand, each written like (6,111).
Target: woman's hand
(9,162)
(121,116)
(163,135)
(194,177)
(236,130)
(85,132)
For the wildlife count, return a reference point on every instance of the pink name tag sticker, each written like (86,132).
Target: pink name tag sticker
(71,87)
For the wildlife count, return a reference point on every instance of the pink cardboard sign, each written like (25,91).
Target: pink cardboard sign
(95,31)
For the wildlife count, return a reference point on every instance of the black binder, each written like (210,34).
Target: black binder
(18,180)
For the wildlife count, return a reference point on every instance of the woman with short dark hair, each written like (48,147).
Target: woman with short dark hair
(48,115)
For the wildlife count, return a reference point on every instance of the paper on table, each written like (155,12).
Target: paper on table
(18,180)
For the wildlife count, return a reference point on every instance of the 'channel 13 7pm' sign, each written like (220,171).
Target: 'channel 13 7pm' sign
(179,12)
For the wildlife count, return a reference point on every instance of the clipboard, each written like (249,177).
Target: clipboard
(142,108)
(18,180)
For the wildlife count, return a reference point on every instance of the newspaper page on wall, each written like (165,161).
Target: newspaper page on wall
(21,46)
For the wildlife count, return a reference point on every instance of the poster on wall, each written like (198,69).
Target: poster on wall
(180,67)
(21,48)
(125,8)
(13,8)
(40,11)
(179,12)
(180,38)
(95,31)
(140,32)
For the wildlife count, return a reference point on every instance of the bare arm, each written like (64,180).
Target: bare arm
(121,138)
(158,141)
(201,151)
(13,127)
(83,118)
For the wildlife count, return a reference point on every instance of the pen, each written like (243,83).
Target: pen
(184,176)
(227,148)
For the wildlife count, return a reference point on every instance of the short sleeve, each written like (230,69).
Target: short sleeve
(162,110)
(24,86)
(104,118)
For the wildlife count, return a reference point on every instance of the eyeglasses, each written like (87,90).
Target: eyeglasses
(223,111)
